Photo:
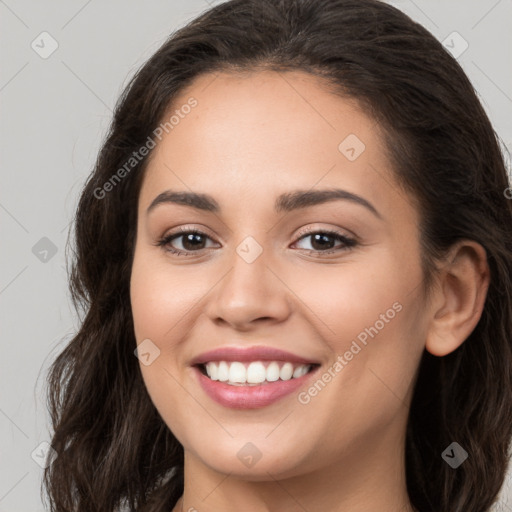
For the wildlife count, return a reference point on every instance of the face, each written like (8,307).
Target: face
(332,284)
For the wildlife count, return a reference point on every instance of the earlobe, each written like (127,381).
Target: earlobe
(459,298)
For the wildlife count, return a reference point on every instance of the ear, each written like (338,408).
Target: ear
(458,301)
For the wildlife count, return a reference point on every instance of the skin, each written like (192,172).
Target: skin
(250,138)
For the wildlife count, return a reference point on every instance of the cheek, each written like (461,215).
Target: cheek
(161,298)
(375,317)
(366,294)
(161,307)
(371,374)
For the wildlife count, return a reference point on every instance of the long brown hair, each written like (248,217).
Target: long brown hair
(113,448)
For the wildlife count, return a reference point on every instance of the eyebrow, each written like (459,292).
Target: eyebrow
(286,202)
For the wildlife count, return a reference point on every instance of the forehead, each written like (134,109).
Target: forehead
(258,134)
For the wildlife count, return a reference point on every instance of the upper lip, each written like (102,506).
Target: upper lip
(244,354)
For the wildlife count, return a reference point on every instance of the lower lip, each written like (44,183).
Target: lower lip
(250,397)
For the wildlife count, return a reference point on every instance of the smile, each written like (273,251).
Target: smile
(236,373)
(235,392)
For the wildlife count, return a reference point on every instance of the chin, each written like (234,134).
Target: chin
(262,467)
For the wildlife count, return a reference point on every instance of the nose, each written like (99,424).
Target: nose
(248,294)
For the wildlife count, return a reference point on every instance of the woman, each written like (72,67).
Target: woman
(298,225)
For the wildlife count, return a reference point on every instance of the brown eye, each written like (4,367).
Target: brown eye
(192,240)
(322,241)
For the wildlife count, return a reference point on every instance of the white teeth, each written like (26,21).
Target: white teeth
(237,373)
(286,372)
(213,371)
(254,373)
(299,372)
(223,373)
(273,372)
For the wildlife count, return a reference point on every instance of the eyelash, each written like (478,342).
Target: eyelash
(348,243)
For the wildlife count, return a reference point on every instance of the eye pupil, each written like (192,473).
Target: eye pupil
(192,238)
(319,237)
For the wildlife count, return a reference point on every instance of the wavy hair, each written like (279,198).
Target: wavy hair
(114,451)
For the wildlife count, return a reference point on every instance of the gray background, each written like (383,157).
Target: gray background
(55,112)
